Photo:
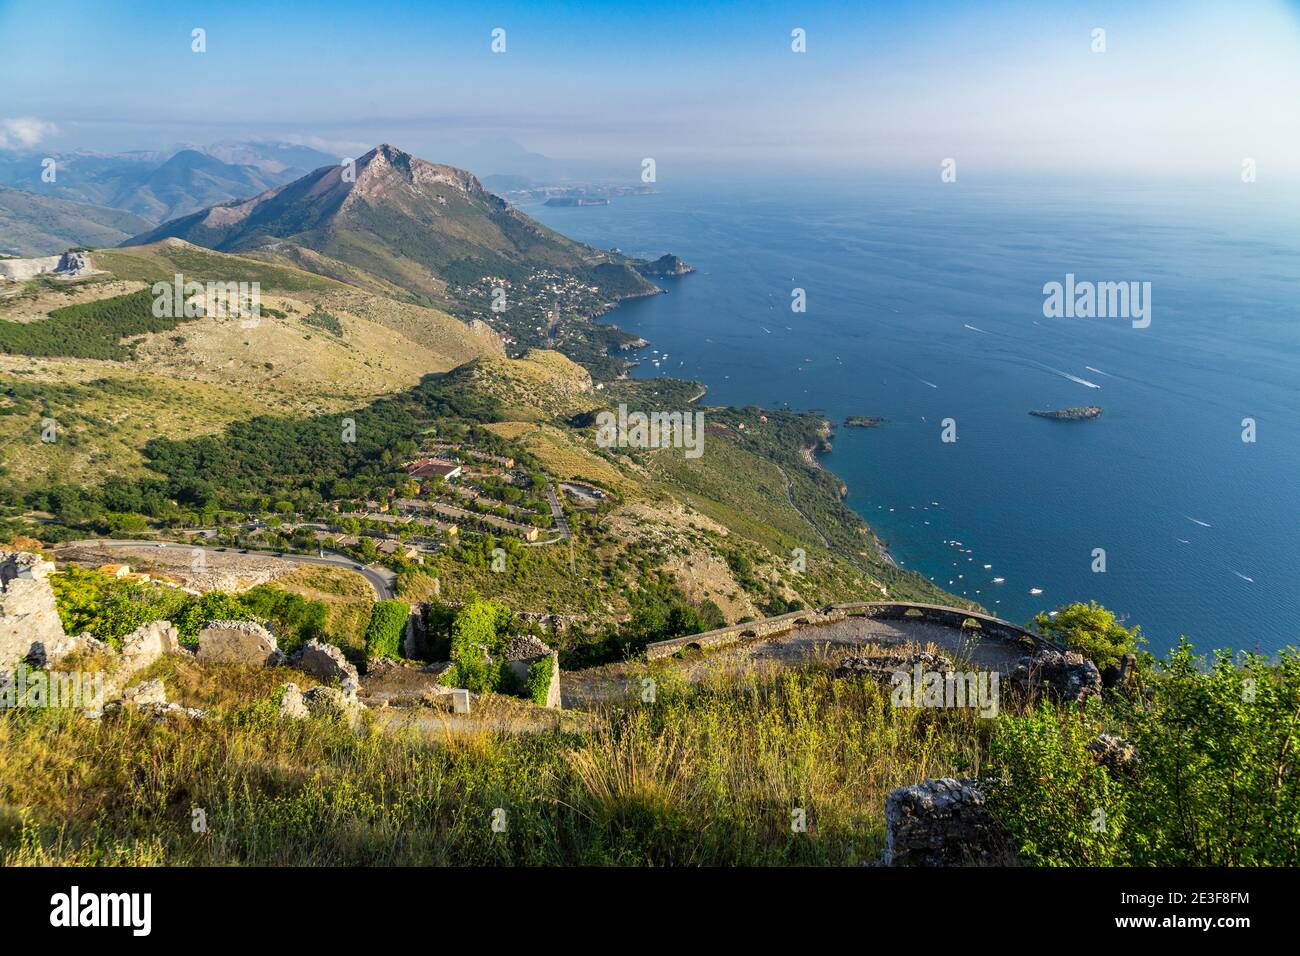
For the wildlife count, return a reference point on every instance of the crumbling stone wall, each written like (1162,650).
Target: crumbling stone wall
(28,615)
(942,822)
(522,653)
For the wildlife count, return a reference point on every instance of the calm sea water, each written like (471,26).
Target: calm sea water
(925,303)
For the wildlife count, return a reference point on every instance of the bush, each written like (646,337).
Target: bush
(1215,782)
(293,618)
(1060,807)
(213,606)
(1218,782)
(107,608)
(88,329)
(539,680)
(386,629)
(1091,630)
(477,645)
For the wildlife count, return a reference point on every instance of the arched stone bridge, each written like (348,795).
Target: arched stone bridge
(953,617)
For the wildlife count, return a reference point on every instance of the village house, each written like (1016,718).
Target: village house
(433,468)
(391,548)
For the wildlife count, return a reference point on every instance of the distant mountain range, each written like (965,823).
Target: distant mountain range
(154,186)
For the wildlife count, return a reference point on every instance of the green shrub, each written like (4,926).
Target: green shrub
(107,608)
(1060,807)
(213,606)
(88,329)
(477,644)
(293,618)
(1218,783)
(1091,630)
(324,321)
(110,609)
(386,629)
(1215,782)
(539,680)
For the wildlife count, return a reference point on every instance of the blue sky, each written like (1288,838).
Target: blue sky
(1184,89)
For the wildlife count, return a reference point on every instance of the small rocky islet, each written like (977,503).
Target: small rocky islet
(1077,413)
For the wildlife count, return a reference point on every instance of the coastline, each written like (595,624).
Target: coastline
(808,453)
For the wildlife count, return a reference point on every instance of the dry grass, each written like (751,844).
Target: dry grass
(703,775)
(348,596)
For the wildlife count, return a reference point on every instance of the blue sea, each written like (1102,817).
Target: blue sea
(925,303)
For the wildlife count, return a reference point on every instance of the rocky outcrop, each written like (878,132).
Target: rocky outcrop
(150,699)
(69,265)
(145,692)
(237,642)
(149,642)
(666,265)
(1122,675)
(1063,676)
(942,822)
(43,655)
(292,704)
(327,664)
(28,615)
(1077,413)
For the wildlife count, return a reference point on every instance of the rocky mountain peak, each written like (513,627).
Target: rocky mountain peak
(386,166)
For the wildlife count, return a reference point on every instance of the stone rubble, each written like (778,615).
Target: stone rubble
(327,664)
(885,665)
(942,822)
(1114,753)
(1064,676)
(292,705)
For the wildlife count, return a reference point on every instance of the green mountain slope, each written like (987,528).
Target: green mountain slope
(430,230)
(36,225)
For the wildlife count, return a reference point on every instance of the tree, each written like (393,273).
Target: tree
(213,606)
(1091,630)
(386,629)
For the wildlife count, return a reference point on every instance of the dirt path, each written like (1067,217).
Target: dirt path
(789,493)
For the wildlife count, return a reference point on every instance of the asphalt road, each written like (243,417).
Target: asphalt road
(561,522)
(381,579)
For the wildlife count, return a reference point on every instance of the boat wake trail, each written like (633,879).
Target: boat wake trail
(1072,378)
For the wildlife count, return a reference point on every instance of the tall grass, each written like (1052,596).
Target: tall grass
(706,774)
(709,775)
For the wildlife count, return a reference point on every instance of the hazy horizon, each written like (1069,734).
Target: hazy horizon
(1182,91)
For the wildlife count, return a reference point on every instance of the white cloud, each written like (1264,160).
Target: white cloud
(341,146)
(24,132)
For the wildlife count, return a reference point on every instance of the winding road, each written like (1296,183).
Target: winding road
(381,579)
